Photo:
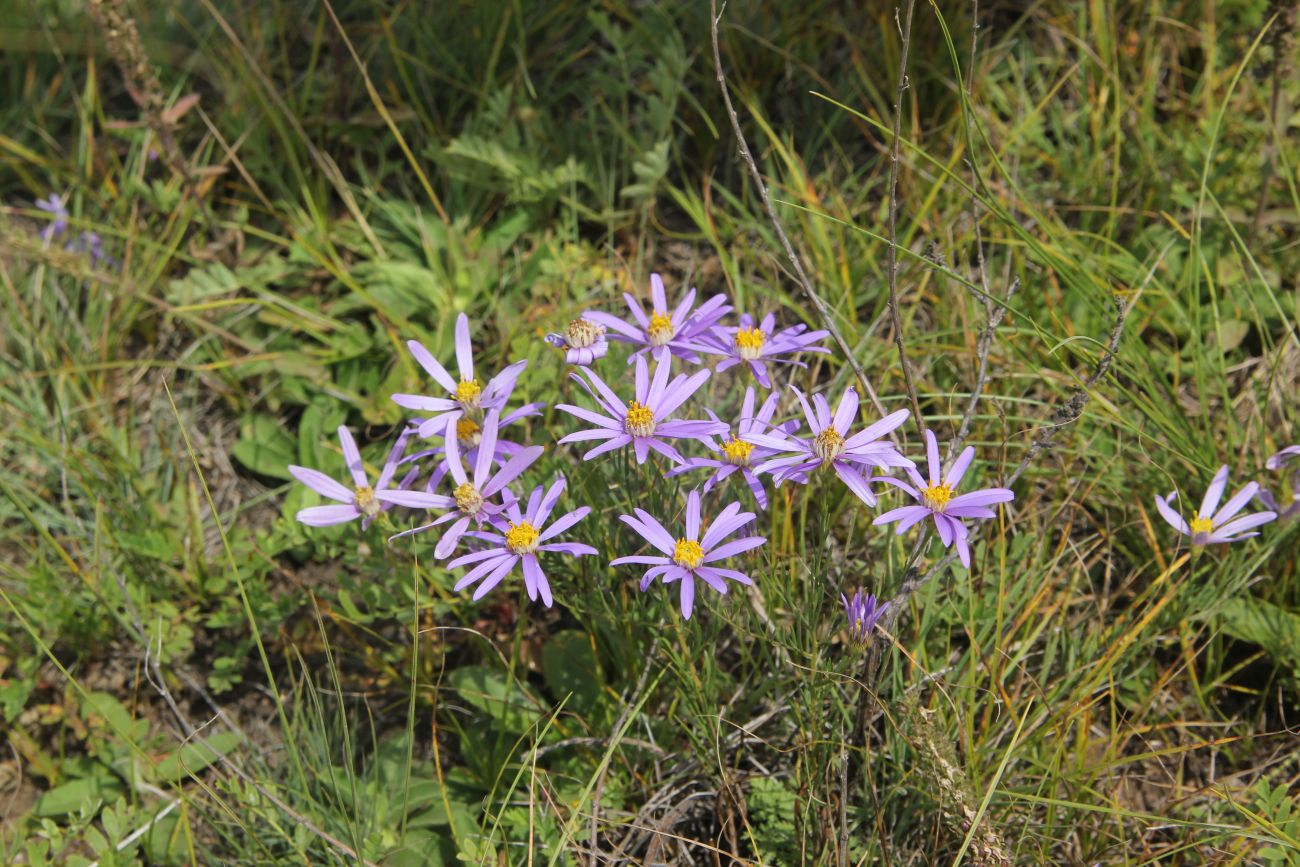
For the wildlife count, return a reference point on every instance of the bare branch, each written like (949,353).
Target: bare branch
(892,263)
(993,311)
(795,262)
(1065,414)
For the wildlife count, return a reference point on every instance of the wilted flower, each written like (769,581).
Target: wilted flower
(1292,509)
(757,347)
(468,397)
(645,422)
(680,333)
(736,455)
(863,613)
(471,500)
(1214,528)
(363,501)
(830,446)
(54,206)
(583,342)
(685,559)
(936,499)
(527,535)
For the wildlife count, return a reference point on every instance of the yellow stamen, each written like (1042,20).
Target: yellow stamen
(737,452)
(688,554)
(581,333)
(468,432)
(749,343)
(468,392)
(365,501)
(828,444)
(660,330)
(936,497)
(522,538)
(1201,525)
(468,499)
(640,421)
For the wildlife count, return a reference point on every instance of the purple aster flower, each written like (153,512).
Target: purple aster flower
(583,342)
(829,445)
(681,333)
(1291,510)
(469,434)
(863,614)
(363,501)
(466,397)
(90,242)
(936,499)
(55,207)
(760,346)
(1214,528)
(645,422)
(687,558)
(520,544)
(736,455)
(471,500)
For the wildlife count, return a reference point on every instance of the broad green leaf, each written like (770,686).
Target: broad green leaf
(570,667)
(264,447)
(1273,628)
(194,757)
(509,705)
(100,786)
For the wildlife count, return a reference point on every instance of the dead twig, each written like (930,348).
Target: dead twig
(892,260)
(796,263)
(1065,414)
(994,311)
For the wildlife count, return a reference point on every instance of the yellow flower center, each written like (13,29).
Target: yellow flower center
(828,444)
(749,343)
(1201,525)
(660,330)
(366,502)
(640,421)
(468,499)
(522,538)
(936,497)
(467,393)
(468,432)
(688,554)
(737,452)
(581,333)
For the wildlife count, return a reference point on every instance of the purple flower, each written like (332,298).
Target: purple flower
(1214,528)
(936,499)
(863,614)
(363,501)
(830,447)
(681,333)
(468,396)
(527,535)
(1292,510)
(685,559)
(90,242)
(55,207)
(645,422)
(471,500)
(760,346)
(469,435)
(583,342)
(736,455)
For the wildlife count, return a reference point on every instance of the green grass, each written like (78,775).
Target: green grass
(1088,692)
